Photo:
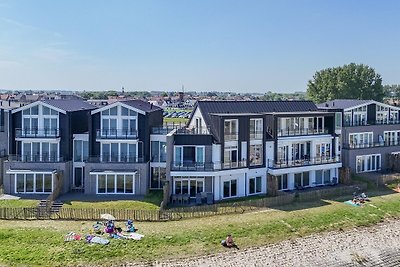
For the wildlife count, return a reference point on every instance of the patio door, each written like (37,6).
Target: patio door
(79,173)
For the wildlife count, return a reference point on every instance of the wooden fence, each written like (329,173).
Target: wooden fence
(92,214)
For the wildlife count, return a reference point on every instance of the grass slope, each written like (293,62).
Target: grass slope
(21,242)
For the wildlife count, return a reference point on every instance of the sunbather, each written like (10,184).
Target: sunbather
(130,228)
(228,242)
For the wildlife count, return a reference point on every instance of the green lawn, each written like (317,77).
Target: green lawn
(151,201)
(21,242)
(18,203)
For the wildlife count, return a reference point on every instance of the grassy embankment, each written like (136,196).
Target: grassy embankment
(41,242)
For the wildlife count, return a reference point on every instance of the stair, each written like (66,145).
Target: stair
(43,212)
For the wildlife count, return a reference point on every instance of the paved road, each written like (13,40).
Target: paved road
(372,246)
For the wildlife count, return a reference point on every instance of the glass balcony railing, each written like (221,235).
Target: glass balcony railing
(301,131)
(35,158)
(278,164)
(37,132)
(116,134)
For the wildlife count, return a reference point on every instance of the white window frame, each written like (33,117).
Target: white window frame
(255,185)
(257,134)
(34,182)
(160,186)
(119,150)
(188,179)
(230,188)
(233,132)
(115,183)
(119,119)
(364,160)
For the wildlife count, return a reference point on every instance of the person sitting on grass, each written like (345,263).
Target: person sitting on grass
(130,228)
(228,242)
(109,229)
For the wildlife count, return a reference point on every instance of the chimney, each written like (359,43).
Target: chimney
(151,105)
(326,105)
(333,103)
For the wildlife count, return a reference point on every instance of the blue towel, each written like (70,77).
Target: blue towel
(350,202)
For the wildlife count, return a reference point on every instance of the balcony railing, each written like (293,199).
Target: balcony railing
(374,144)
(193,131)
(231,136)
(114,159)
(116,134)
(37,133)
(159,158)
(234,164)
(378,122)
(192,166)
(258,135)
(301,131)
(162,130)
(35,158)
(302,162)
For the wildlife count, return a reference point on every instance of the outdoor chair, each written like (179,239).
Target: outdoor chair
(210,198)
(185,199)
(199,199)
(174,199)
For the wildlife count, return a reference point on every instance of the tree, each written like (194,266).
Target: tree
(352,81)
(392,90)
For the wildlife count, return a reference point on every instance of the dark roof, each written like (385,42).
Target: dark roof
(142,105)
(343,103)
(211,108)
(69,105)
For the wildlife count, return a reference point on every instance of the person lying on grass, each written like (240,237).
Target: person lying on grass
(229,243)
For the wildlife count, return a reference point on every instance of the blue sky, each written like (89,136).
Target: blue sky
(241,46)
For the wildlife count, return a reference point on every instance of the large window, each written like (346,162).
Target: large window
(302,179)
(231,130)
(39,121)
(115,183)
(282,182)
(359,140)
(256,129)
(230,188)
(188,185)
(189,155)
(391,137)
(322,177)
(119,152)
(158,177)
(368,163)
(81,150)
(255,185)
(118,121)
(230,157)
(40,151)
(33,183)
(158,151)
(256,154)
(338,120)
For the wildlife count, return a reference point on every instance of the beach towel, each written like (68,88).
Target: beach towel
(350,202)
(99,240)
(72,237)
(134,236)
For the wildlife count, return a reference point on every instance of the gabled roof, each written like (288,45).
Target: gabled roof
(61,105)
(140,106)
(209,109)
(69,105)
(346,104)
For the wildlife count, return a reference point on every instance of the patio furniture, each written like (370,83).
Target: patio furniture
(185,199)
(174,199)
(210,198)
(199,199)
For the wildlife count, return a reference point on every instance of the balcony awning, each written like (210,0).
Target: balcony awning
(44,171)
(133,172)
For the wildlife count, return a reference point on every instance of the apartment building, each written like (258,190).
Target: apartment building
(229,148)
(41,145)
(119,148)
(370,133)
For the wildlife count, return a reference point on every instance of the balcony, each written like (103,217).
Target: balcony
(114,159)
(302,162)
(258,135)
(116,134)
(364,123)
(302,131)
(37,133)
(370,145)
(234,164)
(35,158)
(195,131)
(192,166)
(231,136)
(162,130)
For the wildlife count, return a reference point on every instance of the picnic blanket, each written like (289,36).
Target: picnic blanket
(134,236)
(72,237)
(350,202)
(97,240)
